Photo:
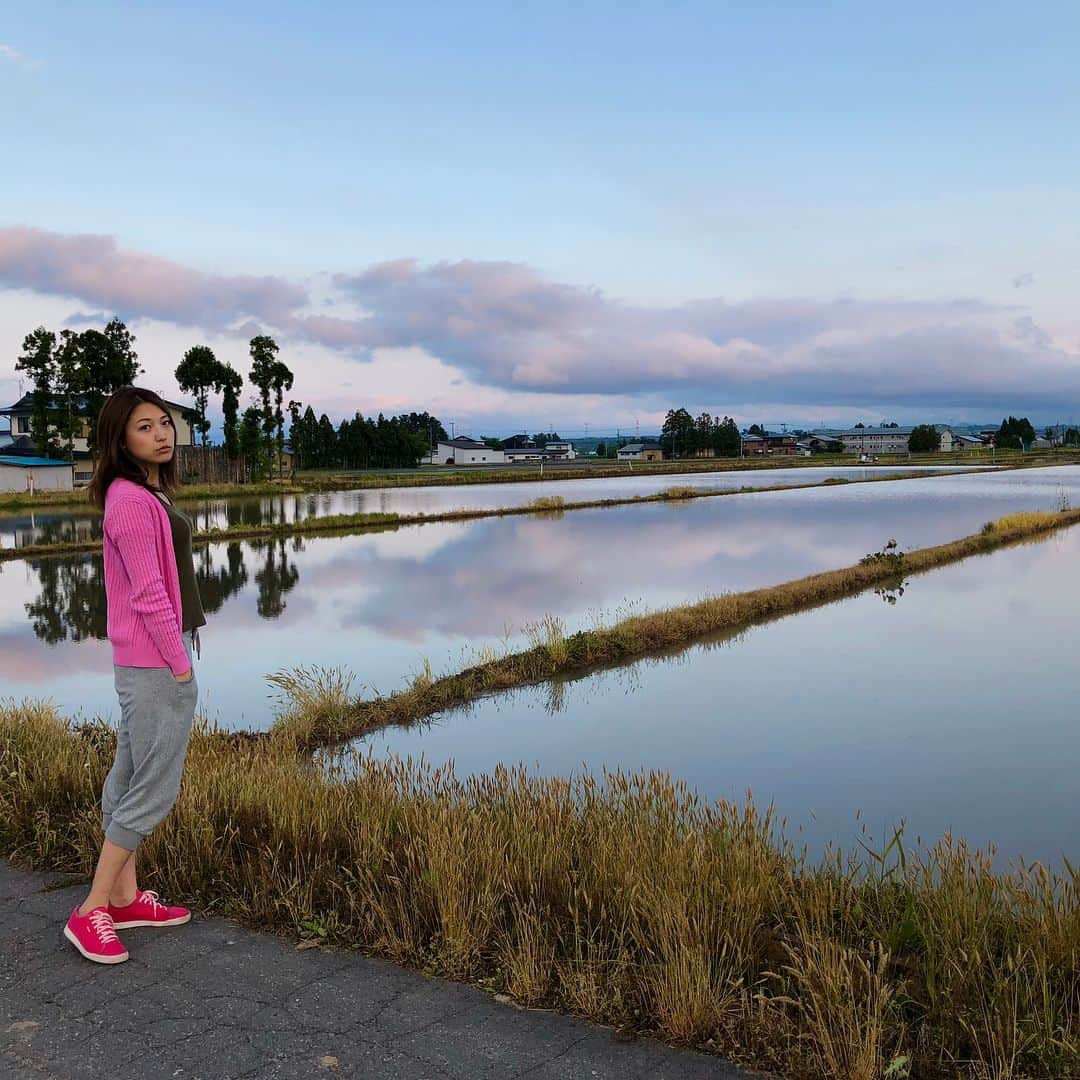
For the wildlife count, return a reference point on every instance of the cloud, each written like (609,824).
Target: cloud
(511,332)
(1023,280)
(12,55)
(94,269)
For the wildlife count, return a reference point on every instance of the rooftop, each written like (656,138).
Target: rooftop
(25,405)
(25,462)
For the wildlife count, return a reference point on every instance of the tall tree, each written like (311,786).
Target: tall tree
(281,379)
(107,361)
(38,361)
(1015,434)
(229,383)
(197,374)
(253,444)
(69,383)
(726,440)
(264,349)
(677,435)
(123,360)
(326,441)
(924,439)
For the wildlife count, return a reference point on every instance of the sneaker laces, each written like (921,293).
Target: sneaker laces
(102,923)
(152,896)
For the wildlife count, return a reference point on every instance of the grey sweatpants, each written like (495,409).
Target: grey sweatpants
(156,714)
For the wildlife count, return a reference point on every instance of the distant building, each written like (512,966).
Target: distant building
(560,451)
(887,440)
(640,451)
(463,451)
(31,474)
(769,443)
(20,413)
(525,453)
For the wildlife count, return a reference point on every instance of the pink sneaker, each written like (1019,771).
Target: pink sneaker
(145,910)
(95,937)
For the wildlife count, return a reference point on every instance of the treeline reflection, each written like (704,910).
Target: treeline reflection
(70,604)
(24,530)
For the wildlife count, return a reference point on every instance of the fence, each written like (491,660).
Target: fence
(210,465)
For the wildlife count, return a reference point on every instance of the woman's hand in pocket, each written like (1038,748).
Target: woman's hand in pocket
(186,677)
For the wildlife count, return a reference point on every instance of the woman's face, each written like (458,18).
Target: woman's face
(149,435)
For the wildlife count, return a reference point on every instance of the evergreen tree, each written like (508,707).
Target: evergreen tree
(924,439)
(38,361)
(1015,434)
(69,382)
(123,360)
(263,350)
(197,374)
(229,383)
(252,443)
(726,440)
(108,361)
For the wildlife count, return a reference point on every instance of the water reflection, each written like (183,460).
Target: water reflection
(952,712)
(378,604)
(21,530)
(70,601)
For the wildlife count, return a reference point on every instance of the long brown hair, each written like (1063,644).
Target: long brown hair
(113,460)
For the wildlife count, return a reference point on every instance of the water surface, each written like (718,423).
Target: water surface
(379,603)
(951,707)
(53,526)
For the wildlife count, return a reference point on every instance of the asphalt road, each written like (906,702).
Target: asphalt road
(214,1001)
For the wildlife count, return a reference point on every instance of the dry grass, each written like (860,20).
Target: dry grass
(623,898)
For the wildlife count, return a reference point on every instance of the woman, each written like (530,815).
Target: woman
(152,601)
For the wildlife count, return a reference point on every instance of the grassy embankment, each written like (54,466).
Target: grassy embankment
(305,482)
(625,900)
(550,505)
(326,716)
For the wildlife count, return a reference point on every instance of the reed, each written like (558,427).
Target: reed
(621,898)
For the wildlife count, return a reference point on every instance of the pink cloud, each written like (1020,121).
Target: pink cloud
(94,269)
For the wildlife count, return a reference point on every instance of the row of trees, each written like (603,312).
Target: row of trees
(1015,434)
(362,443)
(72,375)
(261,429)
(686,436)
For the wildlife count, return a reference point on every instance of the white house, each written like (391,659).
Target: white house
(464,451)
(35,474)
(562,451)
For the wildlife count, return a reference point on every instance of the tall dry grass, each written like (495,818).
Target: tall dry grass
(622,898)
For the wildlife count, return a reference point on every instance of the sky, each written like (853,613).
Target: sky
(559,216)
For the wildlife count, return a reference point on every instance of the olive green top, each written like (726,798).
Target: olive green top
(190,601)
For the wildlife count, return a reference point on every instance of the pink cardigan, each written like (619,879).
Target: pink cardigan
(142,586)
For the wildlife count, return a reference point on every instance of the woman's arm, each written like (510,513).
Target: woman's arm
(132,526)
